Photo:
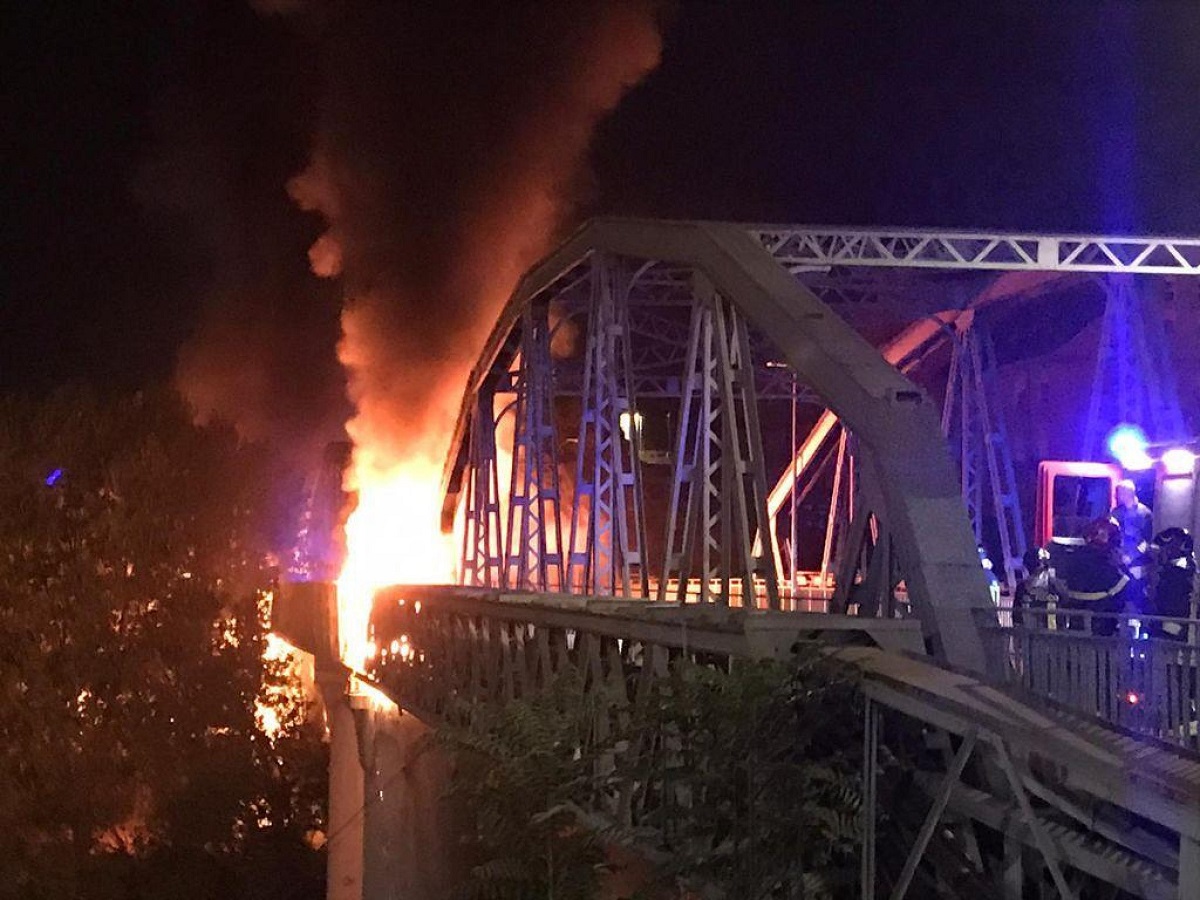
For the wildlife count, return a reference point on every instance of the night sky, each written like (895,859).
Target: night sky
(147,146)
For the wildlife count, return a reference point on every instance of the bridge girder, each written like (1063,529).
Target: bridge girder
(897,426)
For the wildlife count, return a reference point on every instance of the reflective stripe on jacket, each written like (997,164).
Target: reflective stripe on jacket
(1092,596)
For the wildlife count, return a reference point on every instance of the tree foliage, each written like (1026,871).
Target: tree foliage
(761,770)
(521,770)
(750,780)
(134,564)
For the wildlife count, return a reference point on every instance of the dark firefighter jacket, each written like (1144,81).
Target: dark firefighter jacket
(1172,597)
(1093,575)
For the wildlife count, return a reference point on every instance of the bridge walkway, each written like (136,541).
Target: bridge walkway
(1079,794)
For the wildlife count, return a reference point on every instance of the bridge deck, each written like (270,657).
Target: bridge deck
(492,646)
(1150,778)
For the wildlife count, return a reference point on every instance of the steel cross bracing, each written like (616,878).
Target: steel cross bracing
(1133,383)
(718,488)
(804,246)
(534,556)
(608,528)
(482,562)
(624,348)
(971,413)
(856,292)
(658,337)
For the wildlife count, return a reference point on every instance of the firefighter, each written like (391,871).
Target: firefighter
(1137,525)
(1040,591)
(993,579)
(1174,577)
(1095,579)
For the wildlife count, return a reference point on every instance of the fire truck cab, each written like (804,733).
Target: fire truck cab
(1070,493)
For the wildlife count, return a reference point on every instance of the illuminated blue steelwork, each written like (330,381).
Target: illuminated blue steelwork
(1134,381)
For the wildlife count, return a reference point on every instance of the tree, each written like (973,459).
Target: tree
(749,776)
(768,756)
(134,567)
(520,770)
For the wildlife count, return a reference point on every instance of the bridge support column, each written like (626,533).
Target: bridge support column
(1189,867)
(343,879)
(384,771)
(410,830)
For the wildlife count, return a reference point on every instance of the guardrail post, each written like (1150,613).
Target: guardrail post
(870,761)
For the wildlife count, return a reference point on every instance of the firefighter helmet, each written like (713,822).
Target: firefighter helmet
(1101,531)
(1034,558)
(1173,543)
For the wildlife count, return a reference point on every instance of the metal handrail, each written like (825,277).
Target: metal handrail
(1144,683)
(1051,621)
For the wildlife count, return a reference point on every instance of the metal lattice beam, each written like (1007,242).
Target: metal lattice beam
(805,246)
(482,561)
(972,414)
(718,493)
(608,530)
(1133,381)
(534,556)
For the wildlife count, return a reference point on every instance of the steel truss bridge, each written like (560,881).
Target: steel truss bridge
(659,406)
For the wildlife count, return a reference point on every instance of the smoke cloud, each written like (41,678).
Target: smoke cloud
(232,119)
(450,152)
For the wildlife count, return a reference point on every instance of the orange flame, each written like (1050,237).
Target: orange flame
(424,302)
(391,538)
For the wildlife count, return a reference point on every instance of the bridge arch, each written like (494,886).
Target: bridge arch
(908,483)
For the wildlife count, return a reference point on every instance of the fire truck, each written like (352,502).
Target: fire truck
(1072,494)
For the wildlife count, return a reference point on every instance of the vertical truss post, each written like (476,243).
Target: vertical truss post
(747,462)
(1189,867)
(534,554)
(972,393)
(483,541)
(1012,872)
(866,550)
(792,498)
(839,507)
(1133,382)
(1006,501)
(960,398)
(719,485)
(608,525)
(853,551)
(691,481)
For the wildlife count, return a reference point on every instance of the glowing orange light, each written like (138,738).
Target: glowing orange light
(392,537)
(1132,698)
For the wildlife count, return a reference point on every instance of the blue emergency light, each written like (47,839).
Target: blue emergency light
(1127,445)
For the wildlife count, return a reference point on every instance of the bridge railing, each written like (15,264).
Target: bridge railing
(809,592)
(1135,671)
(448,655)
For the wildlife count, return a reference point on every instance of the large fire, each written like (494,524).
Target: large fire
(436,197)
(391,538)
